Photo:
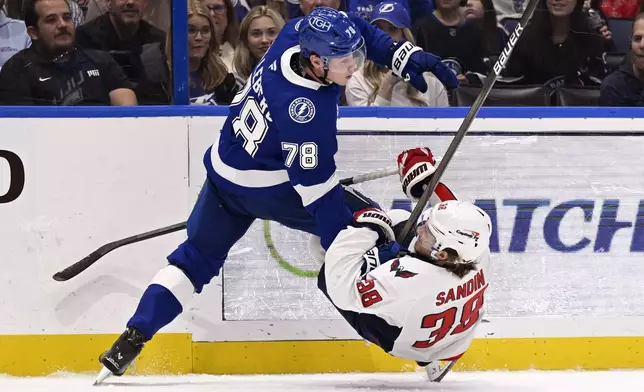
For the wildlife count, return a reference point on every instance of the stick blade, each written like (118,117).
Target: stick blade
(80,266)
(60,277)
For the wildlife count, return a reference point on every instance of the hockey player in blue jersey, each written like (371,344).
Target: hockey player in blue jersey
(274,159)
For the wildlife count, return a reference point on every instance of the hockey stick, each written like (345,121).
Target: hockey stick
(369,176)
(404,238)
(467,122)
(93,257)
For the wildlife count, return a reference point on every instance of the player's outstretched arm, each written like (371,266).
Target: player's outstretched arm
(403,58)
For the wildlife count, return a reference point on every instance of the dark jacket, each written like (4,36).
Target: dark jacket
(79,77)
(622,88)
(99,34)
(539,60)
(576,61)
(463,43)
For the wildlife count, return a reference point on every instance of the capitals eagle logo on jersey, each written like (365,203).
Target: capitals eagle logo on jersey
(400,270)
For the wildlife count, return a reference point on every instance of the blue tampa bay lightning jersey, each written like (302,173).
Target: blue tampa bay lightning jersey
(281,133)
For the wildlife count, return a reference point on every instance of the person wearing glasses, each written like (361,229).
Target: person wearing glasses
(226,28)
(210,82)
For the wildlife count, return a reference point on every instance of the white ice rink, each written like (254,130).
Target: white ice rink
(455,382)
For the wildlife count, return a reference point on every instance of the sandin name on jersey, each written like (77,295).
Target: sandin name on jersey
(463,291)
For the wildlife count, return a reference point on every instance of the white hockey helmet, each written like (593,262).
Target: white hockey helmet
(458,225)
(398,215)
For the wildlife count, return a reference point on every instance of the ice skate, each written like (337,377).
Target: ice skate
(436,371)
(118,358)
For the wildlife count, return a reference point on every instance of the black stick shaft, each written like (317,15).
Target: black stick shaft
(93,257)
(404,238)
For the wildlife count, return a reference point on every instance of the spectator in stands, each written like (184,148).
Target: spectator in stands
(243,7)
(55,71)
(557,45)
(597,22)
(378,86)
(512,9)
(416,8)
(281,6)
(482,13)
(123,33)
(298,8)
(13,36)
(226,28)
(625,86)
(78,17)
(83,6)
(210,81)
(448,35)
(96,8)
(157,12)
(257,32)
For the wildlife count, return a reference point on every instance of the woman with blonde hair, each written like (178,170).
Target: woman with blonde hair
(208,76)
(258,30)
(378,86)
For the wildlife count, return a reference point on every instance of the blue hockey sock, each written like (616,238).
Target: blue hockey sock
(157,308)
(162,301)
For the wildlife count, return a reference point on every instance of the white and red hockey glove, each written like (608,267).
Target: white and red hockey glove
(416,167)
(376,220)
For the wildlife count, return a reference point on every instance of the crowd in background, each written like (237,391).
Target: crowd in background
(118,52)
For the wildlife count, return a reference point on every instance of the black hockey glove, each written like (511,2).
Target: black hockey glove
(376,220)
(380,255)
(409,62)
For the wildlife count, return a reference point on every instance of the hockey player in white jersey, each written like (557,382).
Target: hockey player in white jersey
(422,304)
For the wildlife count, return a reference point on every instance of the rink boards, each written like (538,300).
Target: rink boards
(565,189)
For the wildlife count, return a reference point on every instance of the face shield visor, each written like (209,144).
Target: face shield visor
(349,63)
(424,242)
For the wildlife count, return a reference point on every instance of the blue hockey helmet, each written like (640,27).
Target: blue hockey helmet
(329,33)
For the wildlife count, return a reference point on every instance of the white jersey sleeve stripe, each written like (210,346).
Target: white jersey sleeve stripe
(309,194)
(247,178)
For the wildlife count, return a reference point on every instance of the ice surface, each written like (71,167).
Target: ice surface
(532,381)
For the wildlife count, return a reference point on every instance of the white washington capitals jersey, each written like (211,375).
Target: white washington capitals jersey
(429,313)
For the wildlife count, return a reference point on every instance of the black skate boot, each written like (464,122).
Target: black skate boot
(118,358)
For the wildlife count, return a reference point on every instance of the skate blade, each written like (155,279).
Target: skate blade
(105,373)
(438,376)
